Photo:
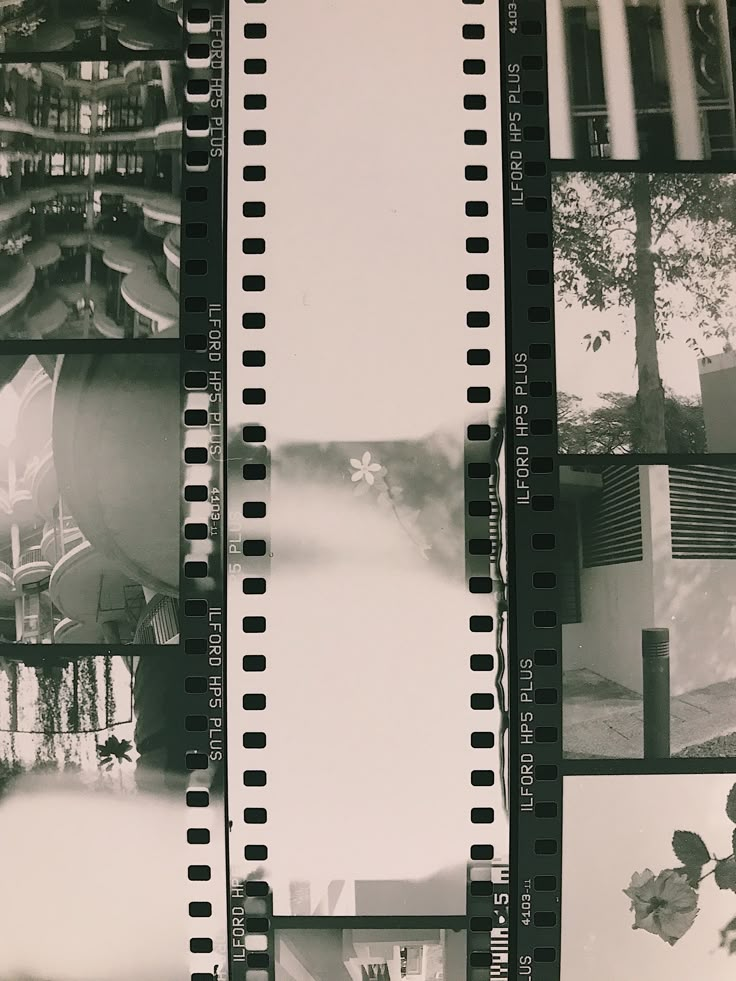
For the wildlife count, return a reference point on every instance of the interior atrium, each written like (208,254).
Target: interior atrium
(90,208)
(110,26)
(87,553)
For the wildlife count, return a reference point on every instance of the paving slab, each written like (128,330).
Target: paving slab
(612,726)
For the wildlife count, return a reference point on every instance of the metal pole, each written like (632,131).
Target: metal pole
(655,654)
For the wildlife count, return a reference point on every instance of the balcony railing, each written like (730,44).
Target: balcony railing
(159,622)
(6,570)
(30,556)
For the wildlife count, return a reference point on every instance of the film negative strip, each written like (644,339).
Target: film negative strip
(112,493)
(619,148)
(367,588)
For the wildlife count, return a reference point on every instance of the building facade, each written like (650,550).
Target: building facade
(370,954)
(649,546)
(83,557)
(90,210)
(112,26)
(647,79)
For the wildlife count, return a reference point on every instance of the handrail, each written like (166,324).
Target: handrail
(6,570)
(30,556)
(159,622)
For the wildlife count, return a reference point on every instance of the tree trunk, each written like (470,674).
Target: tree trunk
(650,397)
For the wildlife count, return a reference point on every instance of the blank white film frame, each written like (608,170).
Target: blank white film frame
(367,681)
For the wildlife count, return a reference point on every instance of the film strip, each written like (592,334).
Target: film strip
(112,352)
(619,141)
(366,841)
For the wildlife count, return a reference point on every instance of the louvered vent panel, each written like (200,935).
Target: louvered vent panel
(703,512)
(612,521)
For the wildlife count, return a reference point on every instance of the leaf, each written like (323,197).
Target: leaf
(690,849)
(692,874)
(597,344)
(606,334)
(732,947)
(726,874)
(731,925)
(731,804)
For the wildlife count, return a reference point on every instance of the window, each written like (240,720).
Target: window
(411,960)
(611,525)
(703,512)
(569,569)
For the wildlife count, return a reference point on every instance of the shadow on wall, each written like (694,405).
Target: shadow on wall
(696,603)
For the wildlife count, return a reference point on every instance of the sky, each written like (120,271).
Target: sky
(615,826)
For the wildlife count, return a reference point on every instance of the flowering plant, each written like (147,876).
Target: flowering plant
(29,26)
(368,475)
(666,904)
(14,246)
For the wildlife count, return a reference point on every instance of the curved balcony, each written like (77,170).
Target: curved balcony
(7,583)
(43,255)
(106,326)
(68,631)
(149,295)
(159,623)
(17,276)
(69,534)
(51,36)
(88,588)
(46,316)
(172,246)
(139,36)
(103,408)
(31,568)
(120,256)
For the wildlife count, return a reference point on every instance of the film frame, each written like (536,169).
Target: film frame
(193,670)
(558,135)
(484,913)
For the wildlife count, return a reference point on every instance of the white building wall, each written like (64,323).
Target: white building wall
(693,598)
(616,601)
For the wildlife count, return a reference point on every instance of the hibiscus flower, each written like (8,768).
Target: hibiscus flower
(665,905)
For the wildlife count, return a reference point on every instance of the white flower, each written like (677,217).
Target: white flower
(364,469)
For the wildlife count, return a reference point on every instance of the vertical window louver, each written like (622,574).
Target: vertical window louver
(569,578)
(612,520)
(703,512)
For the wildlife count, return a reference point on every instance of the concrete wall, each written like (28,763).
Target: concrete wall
(616,602)
(695,599)
(718,391)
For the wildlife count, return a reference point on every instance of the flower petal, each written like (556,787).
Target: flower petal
(356,464)
(369,478)
(366,458)
(374,467)
(358,475)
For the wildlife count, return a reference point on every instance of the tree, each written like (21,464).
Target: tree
(659,246)
(615,427)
